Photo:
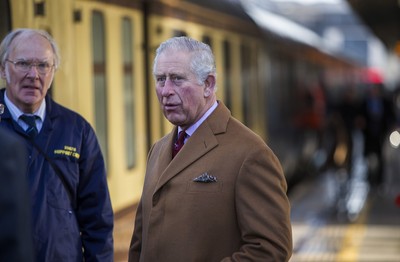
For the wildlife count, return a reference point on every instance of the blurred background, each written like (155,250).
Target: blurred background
(318,80)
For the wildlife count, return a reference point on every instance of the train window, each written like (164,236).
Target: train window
(5,18)
(206,39)
(246,82)
(179,33)
(227,74)
(129,93)
(99,76)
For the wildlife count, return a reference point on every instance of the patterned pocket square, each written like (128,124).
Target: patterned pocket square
(205,178)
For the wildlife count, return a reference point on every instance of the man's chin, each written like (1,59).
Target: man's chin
(30,100)
(173,119)
(30,95)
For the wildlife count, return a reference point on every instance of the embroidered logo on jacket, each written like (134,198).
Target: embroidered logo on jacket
(67,151)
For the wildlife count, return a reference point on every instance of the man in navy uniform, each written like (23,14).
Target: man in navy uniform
(72,216)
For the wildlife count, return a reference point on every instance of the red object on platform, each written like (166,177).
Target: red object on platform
(373,76)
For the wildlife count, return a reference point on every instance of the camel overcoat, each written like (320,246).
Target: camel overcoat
(222,198)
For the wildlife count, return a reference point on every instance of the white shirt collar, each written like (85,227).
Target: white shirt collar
(194,127)
(16,112)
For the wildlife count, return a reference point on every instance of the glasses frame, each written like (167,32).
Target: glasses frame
(41,70)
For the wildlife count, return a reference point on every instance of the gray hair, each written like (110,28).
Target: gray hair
(202,63)
(7,41)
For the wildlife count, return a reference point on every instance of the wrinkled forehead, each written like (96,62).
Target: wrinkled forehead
(31,45)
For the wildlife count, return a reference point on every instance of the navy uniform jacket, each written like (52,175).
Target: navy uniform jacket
(59,231)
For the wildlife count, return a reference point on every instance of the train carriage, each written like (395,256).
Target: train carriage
(107,49)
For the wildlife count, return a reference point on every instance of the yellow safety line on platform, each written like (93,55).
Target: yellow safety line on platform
(353,238)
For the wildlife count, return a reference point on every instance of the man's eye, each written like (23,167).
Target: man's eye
(161,79)
(176,78)
(43,65)
(23,63)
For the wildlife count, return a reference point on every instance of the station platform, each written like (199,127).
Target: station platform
(321,233)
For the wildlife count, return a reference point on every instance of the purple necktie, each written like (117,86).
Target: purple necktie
(179,143)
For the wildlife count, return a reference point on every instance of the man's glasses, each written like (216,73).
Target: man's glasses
(24,66)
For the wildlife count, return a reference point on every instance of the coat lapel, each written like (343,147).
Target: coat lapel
(196,146)
(200,143)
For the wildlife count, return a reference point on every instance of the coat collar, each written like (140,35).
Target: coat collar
(200,143)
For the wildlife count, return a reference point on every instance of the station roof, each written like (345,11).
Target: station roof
(382,17)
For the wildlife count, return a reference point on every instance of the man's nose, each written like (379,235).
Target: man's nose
(168,87)
(33,72)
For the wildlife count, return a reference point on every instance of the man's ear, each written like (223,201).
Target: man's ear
(209,85)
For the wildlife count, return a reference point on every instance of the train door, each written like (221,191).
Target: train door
(108,63)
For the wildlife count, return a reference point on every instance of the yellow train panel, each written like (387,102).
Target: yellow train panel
(125,184)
